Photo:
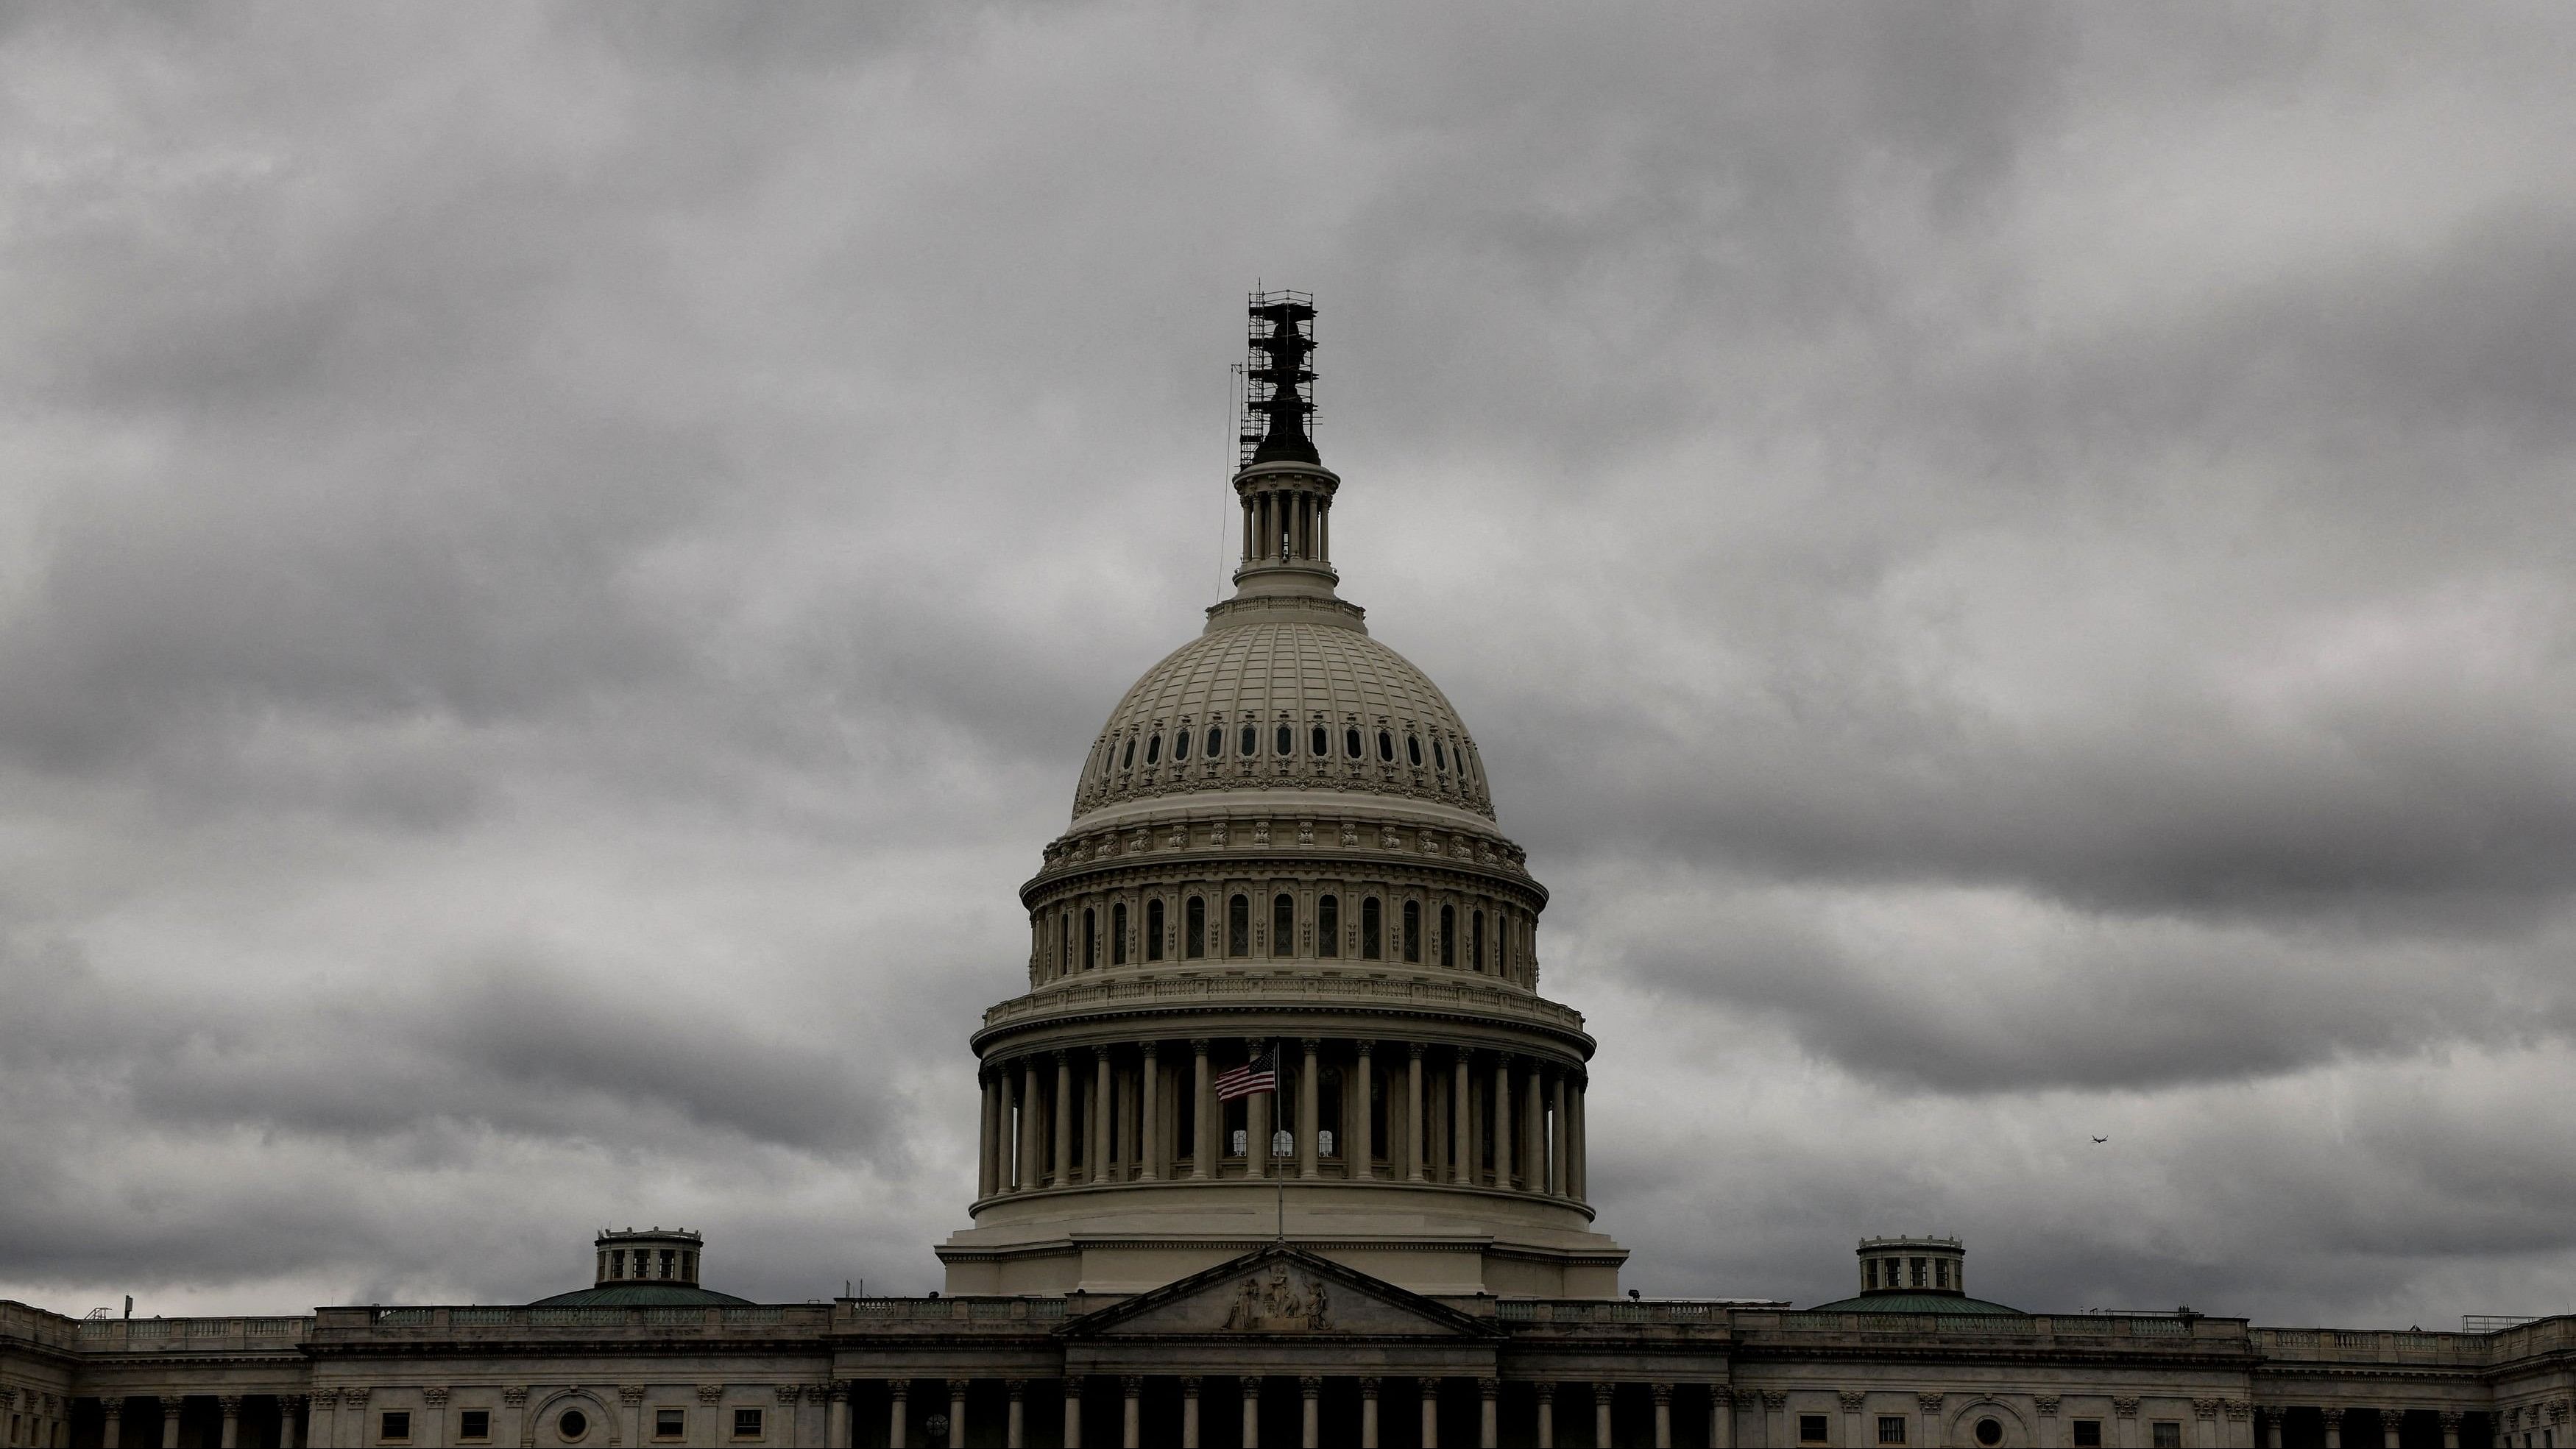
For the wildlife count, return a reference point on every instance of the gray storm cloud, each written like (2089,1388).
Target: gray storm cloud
(2011,567)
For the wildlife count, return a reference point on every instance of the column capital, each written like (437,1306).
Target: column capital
(959,1386)
(787,1394)
(840,1391)
(899,1389)
(1490,1389)
(632,1394)
(1073,1386)
(1416,1049)
(2046,1404)
(1366,1045)
(1190,1384)
(2450,1421)
(1853,1399)
(1310,1385)
(1545,1389)
(1310,1044)
(2237,1410)
(1774,1400)
(1132,1385)
(113,1407)
(230,1405)
(1369,1386)
(1200,1044)
(1505,1059)
(1150,1048)
(1931,1403)
(2125,1408)
(516,1396)
(1663,1392)
(1063,1056)
(1100,1053)
(1018,1389)
(1720,1396)
(2204,1408)
(1603,1388)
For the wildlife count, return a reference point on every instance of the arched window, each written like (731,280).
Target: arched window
(1064,943)
(1238,926)
(1413,931)
(1385,747)
(1215,741)
(1372,937)
(1154,748)
(1129,762)
(1090,939)
(1448,935)
(1316,742)
(1328,926)
(1413,750)
(1180,747)
(1283,925)
(1118,934)
(1285,745)
(1154,930)
(1351,741)
(1439,756)
(1476,939)
(1249,742)
(1194,928)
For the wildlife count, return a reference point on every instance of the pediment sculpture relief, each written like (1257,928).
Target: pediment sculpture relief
(1277,1305)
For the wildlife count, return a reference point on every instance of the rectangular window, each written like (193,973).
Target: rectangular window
(1238,926)
(1154,930)
(1476,940)
(1448,935)
(1811,1428)
(474,1424)
(395,1428)
(1413,931)
(670,1423)
(2168,1434)
(1372,935)
(1941,1273)
(1118,934)
(1283,925)
(1869,1273)
(1328,926)
(2088,1434)
(1915,1266)
(1194,932)
(1891,1428)
(746,1423)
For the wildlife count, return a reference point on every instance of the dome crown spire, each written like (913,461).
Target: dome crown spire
(1281,483)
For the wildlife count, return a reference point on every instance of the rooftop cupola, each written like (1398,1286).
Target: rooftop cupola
(1913,1265)
(1281,484)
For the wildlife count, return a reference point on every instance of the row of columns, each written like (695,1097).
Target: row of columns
(166,1432)
(1126,1113)
(1310,1390)
(2391,1420)
(1113,928)
(1301,520)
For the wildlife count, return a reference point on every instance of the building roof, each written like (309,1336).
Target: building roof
(1913,1303)
(638,1295)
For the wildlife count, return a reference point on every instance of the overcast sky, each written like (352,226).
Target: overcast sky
(2011,567)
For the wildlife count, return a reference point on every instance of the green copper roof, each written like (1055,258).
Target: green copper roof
(1914,1303)
(638,1295)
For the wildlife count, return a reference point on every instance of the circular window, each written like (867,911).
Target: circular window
(1990,1432)
(572,1426)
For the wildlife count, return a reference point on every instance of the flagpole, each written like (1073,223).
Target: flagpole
(1277,1099)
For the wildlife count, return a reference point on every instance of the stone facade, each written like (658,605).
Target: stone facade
(1283,854)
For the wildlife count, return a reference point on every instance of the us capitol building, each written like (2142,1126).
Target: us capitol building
(1283,870)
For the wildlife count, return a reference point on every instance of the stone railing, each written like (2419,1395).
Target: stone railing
(165,1335)
(2074,1327)
(1160,992)
(491,1321)
(1595,1310)
(876,1313)
(2332,1345)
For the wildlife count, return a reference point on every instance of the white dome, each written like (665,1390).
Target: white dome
(1385,728)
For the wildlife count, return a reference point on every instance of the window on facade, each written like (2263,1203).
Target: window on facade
(396,1425)
(2168,1433)
(1990,1432)
(1064,944)
(1448,935)
(1154,930)
(1238,926)
(746,1423)
(1317,743)
(1372,944)
(1285,745)
(617,1262)
(1869,1273)
(1915,1265)
(1439,756)
(1154,748)
(670,1423)
(2088,1434)
(1476,939)
(1413,931)
(1328,926)
(1129,761)
(1180,747)
(1118,934)
(1216,741)
(1811,1428)
(473,1424)
(1194,928)
(1250,741)
(572,1424)
(1283,925)
(1891,1428)
(1941,1273)
(1386,747)
(1351,741)
(1413,750)
(1090,939)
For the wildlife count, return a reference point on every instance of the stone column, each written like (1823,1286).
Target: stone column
(2125,1412)
(1413,1123)
(170,1419)
(290,1421)
(1149,1102)
(1096,1152)
(1721,1400)
(1578,1167)
(1601,1394)
(1556,1182)
(2046,1404)
(1852,1402)
(1775,1427)
(1310,1389)
(2389,1421)
(1930,1404)
(1533,1152)
(1360,1151)
(2204,1413)
(352,1428)
(632,1397)
(1073,1411)
(1663,1415)
(115,1411)
(1462,1159)
(898,1416)
(1503,1119)
(2240,1430)
(1489,1418)
(1032,1145)
(1309,1102)
(1546,1414)
(987,1164)
(1061,1173)
(229,1405)
(2450,1429)
(956,1411)
(837,1423)
(2271,1434)
(1190,1411)
(1203,1150)
(1256,1124)
(1430,1413)
(1251,1394)
(514,1398)
(1015,1433)
(1368,1412)
(1131,1391)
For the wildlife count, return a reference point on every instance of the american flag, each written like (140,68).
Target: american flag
(1261,1074)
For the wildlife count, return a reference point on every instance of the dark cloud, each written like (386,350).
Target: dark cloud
(2010,568)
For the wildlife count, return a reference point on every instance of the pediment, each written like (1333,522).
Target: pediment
(1279,1292)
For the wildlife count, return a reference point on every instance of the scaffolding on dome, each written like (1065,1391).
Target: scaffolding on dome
(1277,385)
